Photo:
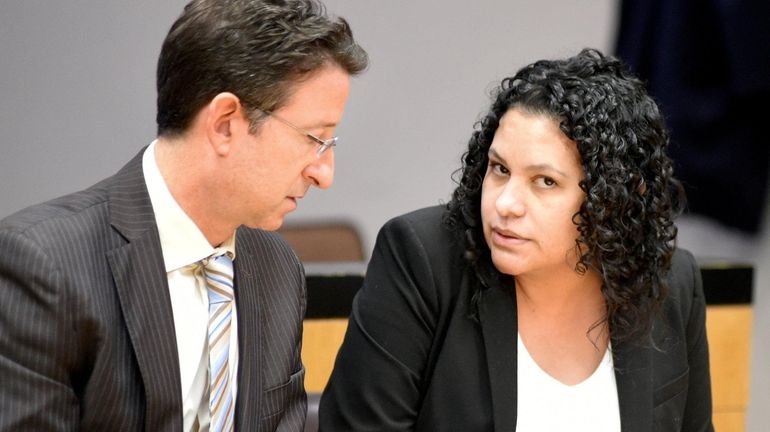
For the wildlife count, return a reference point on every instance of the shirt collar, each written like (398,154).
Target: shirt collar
(181,241)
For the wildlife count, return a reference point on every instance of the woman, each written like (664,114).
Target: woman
(547,295)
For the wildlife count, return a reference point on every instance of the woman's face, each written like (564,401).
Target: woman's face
(529,195)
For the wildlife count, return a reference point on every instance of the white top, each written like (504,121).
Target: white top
(183,245)
(547,404)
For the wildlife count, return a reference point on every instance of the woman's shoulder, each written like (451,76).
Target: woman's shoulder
(426,225)
(685,287)
(684,275)
(421,241)
(425,217)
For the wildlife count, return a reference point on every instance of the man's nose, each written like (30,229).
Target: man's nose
(321,171)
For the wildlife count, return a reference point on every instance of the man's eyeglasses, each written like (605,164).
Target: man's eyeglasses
(323,145)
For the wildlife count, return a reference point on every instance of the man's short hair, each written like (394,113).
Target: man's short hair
(255,49)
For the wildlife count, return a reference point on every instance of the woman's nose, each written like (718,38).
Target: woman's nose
(511,201)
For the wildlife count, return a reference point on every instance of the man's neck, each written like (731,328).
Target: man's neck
(181,162)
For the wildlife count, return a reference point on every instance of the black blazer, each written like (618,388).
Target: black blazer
(412,360)
(87,338)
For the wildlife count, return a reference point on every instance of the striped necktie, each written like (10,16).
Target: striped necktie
(219,280)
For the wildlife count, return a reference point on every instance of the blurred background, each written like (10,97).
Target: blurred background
(77,100)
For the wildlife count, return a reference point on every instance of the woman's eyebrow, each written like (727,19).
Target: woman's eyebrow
(492,153)
(546,167)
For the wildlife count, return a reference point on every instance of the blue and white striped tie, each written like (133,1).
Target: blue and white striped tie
(219,280)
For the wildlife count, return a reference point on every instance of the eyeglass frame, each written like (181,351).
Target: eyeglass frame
(323,144)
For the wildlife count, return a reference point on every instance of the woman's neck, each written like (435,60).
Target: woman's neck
(560,292)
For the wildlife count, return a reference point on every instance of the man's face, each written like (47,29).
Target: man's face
(275,167)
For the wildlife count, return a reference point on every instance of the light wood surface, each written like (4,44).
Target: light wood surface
(320,342)
(729,421)
(729,332)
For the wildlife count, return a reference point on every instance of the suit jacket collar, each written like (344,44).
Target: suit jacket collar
(131,212)
(247,275)
(142,287)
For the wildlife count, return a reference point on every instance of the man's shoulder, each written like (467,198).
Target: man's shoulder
(75,211)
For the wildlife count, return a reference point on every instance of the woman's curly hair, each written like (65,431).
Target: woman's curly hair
(626,220)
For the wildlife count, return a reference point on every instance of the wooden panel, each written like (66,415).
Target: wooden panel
(729,333)
(321,340)
(729,421)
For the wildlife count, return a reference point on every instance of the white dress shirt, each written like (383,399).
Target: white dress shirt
(183,245)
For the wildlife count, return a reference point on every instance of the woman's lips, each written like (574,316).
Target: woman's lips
(507,238)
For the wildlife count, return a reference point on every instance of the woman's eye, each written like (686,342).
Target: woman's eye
(546,181)
(498,169)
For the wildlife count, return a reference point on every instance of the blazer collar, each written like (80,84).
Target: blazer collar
(498,319)
(633,376)
(142,287)
(497,315)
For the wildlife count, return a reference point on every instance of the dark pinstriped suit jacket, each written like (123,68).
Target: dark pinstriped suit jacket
(87,338)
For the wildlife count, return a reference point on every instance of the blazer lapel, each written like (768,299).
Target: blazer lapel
(633,375)
(497,314)
(249,378)
(142,286)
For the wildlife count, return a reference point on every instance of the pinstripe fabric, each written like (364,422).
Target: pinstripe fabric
(271,337)
(87,338)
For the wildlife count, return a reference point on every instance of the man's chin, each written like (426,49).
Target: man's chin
(268,225)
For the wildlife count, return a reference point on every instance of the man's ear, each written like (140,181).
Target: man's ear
(224,121)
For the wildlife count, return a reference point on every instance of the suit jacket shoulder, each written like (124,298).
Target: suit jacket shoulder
(70,342)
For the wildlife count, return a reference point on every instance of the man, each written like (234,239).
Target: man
(155,300)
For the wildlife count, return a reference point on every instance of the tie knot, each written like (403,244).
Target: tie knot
(219,278)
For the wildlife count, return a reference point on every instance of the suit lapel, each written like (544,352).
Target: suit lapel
(633,375)
(142,286)
(497,315)
(249,378)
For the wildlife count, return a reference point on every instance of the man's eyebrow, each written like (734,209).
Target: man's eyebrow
(324,125)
